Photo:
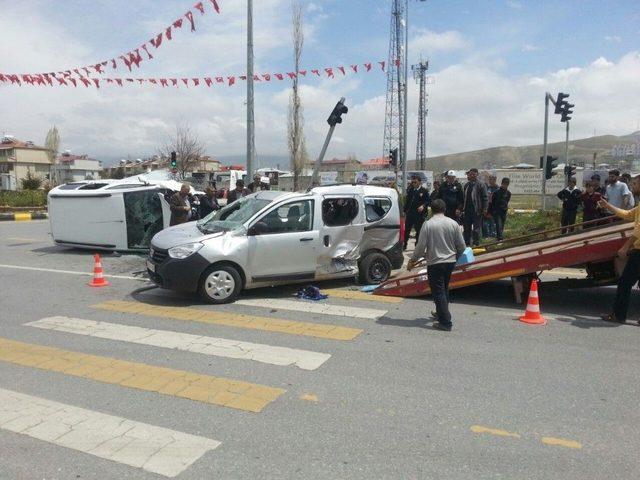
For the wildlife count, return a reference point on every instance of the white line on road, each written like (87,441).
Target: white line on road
(154,449)
(69,272)
(219,347)
(308,307)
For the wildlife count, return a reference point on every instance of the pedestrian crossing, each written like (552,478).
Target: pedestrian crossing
(154,448)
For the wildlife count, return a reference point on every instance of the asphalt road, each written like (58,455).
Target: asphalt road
(494,399)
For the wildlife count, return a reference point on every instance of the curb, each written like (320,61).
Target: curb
(23,217)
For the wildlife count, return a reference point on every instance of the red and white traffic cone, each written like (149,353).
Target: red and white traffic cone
(532,314)
(98,279)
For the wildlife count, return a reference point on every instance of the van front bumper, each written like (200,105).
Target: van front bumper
(182,275)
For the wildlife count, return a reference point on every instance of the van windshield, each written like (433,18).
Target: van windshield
(232,216)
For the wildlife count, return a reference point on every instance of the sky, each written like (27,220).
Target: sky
(491,63)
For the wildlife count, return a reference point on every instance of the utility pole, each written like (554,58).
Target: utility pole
(419,73)
(566,151)
(251,146)
(545,150)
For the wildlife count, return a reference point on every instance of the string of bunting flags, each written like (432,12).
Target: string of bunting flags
(52,80)
(133,58)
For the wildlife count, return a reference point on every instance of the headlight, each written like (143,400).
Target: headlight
(183,251)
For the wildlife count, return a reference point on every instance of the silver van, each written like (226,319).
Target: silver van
(276,238)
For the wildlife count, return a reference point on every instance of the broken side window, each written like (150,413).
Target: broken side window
(376,208)
(291,217)
(338,212)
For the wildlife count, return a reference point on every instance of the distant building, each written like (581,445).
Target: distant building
(18,158)
(75,168)
(381,163)
(338,165)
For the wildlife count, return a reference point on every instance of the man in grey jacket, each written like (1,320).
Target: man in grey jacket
(476,203)
(440,244)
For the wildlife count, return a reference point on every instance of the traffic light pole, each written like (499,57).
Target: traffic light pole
(547,97)
(566,154)
(316,167)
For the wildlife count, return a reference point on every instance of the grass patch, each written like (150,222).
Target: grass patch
(519,224)
(24,198)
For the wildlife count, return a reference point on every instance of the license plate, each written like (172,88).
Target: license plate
(151,266)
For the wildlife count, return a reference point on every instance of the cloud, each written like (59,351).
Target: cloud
(613,38)
(514,4)
(428,42)
(530,48)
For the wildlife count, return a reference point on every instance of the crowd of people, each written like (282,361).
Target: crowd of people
(481,209)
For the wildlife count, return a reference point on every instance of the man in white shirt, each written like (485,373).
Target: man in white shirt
(618,193)
(441,244)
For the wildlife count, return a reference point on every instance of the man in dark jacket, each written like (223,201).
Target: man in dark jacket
(499,207)
(415,208)
(571,197)
(208,203)
(451,193)
(476,203)
(238,193)
(180,206)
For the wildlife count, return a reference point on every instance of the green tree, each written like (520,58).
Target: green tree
(31,182)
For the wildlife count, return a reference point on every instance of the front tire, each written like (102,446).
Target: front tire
(375,268)
(220,284)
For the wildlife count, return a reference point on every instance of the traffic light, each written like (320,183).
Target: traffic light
(393,157)
(552,162)
(336,115)
(567,112)
(174,160)
(560,101)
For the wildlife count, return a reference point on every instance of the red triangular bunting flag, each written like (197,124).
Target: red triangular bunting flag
(144,47)
(382,64)
(130,80)
(189,16)
(220,79)
(119,81)
(303,73)
(167,33)
(104,64)
(61,81)
(153,81)
(292,75)
(215,5)
(27,79)
(196,81)
(109,80)
(126,61)
(367,66)
(354,68)
(77,72)
(267,77)
(185,81)
(397,62)
(164,82)
(200,7)
(177,23)
(86,82)
(329,72)
(316,72)
(256,78)
(86,70)
(232,80)
(48,79)
(208,81)
(156,42)
(174,82)
(342,70)
(97,82)
(243,77)
(73,80)
(114,65)
(98,68)
(279,76)
(140,80)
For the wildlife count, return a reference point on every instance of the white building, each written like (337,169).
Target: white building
(75,168)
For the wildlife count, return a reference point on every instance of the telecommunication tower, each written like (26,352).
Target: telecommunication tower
(396,82)
(420,75)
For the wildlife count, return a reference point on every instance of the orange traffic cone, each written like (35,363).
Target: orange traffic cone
(98,279)
(532,314)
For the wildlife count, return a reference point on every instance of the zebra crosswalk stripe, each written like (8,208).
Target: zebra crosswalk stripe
(152,448)
(309,307)
(219,347)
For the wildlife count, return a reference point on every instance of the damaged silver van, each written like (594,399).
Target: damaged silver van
(276,238)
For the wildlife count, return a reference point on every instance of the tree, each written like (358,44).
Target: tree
(31,182)
(295,124)
(188,147)
(52,144)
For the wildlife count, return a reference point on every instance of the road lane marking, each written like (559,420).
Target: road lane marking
(560,442)
(178,383)
(219,347)
(309,397)
(326,331)
(69,272)
(308,307)
(358,295)
(493,431)
(152,448)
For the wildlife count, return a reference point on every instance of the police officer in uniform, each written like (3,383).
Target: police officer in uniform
(452,194)
(416,208)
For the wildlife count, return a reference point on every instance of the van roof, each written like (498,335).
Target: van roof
(351,189)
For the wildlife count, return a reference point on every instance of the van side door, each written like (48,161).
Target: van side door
(284,243)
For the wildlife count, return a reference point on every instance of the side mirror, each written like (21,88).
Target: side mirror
(258,228)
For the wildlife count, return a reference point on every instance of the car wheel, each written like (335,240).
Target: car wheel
(220,284)
(374,268)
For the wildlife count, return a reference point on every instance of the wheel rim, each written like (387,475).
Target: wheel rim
(220,285)
(378,271)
